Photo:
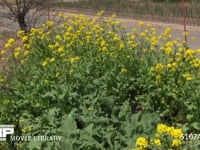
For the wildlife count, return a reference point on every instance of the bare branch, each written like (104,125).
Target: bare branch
(10,6)
(20,8)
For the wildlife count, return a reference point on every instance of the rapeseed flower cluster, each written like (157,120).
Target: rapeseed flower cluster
(174,133)
(10,42)
(1,79)
(77,31)
(141,143)
(173,136)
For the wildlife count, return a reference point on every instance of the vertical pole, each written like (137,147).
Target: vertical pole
(184,21)
(47,3)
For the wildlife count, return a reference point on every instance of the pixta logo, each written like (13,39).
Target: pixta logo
(5,130)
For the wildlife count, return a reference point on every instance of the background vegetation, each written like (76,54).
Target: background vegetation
(147,10)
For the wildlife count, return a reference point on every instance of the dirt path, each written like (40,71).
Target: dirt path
(8,25)
(193,37)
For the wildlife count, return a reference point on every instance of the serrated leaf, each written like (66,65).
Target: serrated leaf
(52,94)
(196,125)
(189,117)
(34,145)
(69,125)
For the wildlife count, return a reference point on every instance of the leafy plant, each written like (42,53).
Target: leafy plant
(98,86)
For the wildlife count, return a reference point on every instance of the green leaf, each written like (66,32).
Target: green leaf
(34,145)
(52,94)
(196,125)
(68,124)
(189,117)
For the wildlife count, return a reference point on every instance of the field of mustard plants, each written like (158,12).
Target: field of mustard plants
(100,87)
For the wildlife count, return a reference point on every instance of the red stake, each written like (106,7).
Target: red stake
(184,21)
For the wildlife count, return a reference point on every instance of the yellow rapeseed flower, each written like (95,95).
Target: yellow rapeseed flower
(103,43)
(30,128)
(198,50)
(162,48)
(57,74)
(154,41)
(162,128)
(189,53)
(172,67)
(33,31)
(52,60)
(104,48)
(158,78)
(91,108)
(46,81)
(74,59)
(61,49)
(181,49)
(167,31)
(114,22)
(20,33)
(168,50)
(134,30)
(124,70)
(16,54)
(143,34)
(142,143)
(44,63)
(195,63)
(176,142)
(121,46)
(176,133)
(26,52)
(1,79)
(159,67)
(149,25)
(50,23)
(2,52)
(187,76)
(151,70)
(17,49)
(24,39)
(24,130)
(58,37)
(179,56)
(157,142)
(50,46)
(185,33)
(10,42)
(116,38)
(88,38)
(60,15)
(153,31)
(113,15)
(100,13)
(170,129)
(193,38)
(141,23)
(71,71)
(169,44)
(27,46)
